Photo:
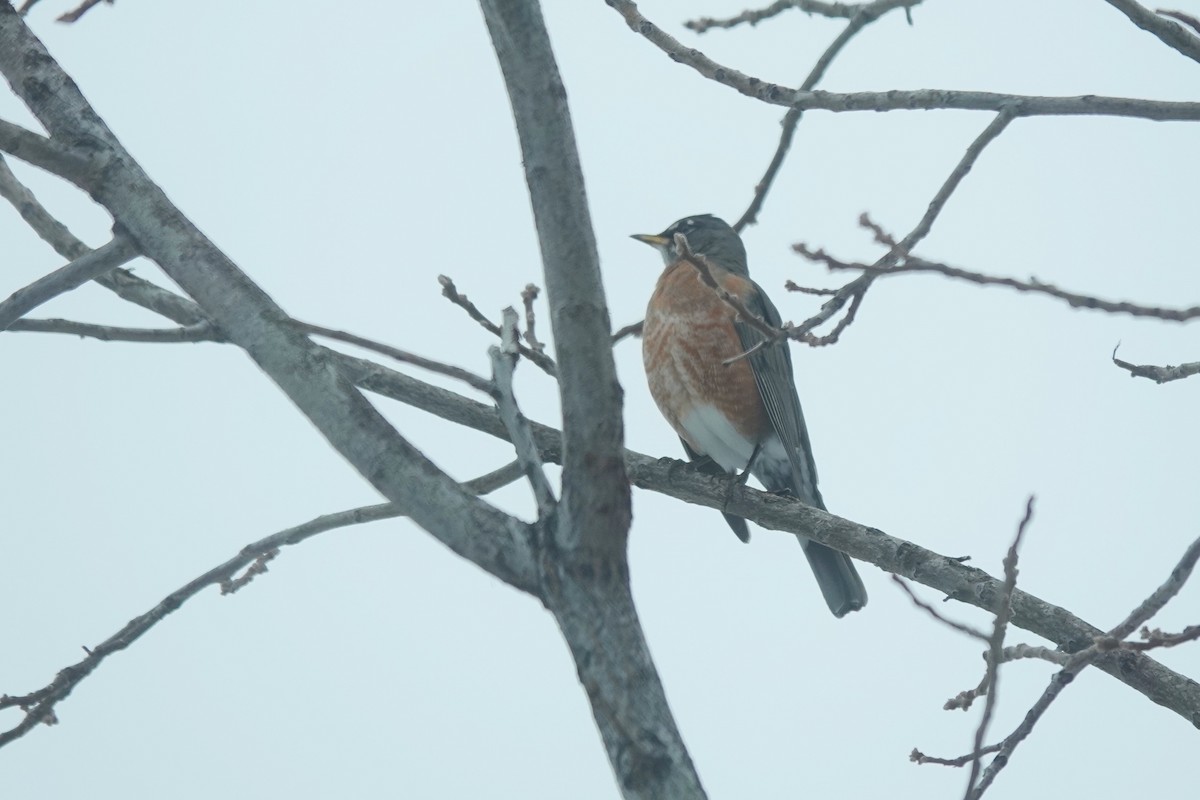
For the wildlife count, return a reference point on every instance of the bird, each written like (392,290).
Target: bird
(733,415)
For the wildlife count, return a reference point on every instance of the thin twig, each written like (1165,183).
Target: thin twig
(817,291)
(39,705)
(200,332)
(528,296)
(863,15)
(1021,651)
(1033,285)
(966,698)
(753,17)
(1156,373)
(83,269)
(259,567)
(633,329)
(933,612)
(504,362)
(996,644)
(451,293)
(770,333)
(917,757)
(83,8)
(36,216)
(1080,661)
(467,377)
(1154,639)
(856,289)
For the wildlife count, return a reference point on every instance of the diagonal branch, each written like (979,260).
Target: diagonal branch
(50,155)
(862,15)
(83,269)
(1083,658)
(249,318)
(1168,32)
(121,282)
(467,377)
(947,575)
(856,289)
(39,706)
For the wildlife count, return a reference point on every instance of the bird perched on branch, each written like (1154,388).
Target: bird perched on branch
(733,413)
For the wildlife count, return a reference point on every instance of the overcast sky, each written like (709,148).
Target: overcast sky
(345,155)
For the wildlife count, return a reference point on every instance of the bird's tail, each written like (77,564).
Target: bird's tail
(837,578)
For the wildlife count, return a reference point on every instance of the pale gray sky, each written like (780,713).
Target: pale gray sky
(345,156)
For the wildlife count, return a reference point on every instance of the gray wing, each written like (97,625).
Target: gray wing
(773,373)
(836,576)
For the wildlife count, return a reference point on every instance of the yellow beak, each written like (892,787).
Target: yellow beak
(653,240)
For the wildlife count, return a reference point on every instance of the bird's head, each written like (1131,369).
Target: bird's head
(706,235)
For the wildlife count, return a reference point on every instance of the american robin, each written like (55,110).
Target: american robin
(743,415)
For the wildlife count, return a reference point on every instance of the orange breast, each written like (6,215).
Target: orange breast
(687,336)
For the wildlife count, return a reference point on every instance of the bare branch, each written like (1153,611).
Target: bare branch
(933,612)
(857,288)
(950,576)
(863,14)
(42,152)
(596,504)
(1022,651)
(753,17)
(80,10)
(1156,373)
(37,217)
(1021,105)
(528,296)
(1186,19)
(247,316)
(1153,639)
(917,757)
(83,269)
(816,291)
(121,282)
(633,329)
(1169,33)
(458,373)
(200,332)
(1081,659)
(996,644)
(451,293)
(504,362)
(1033,285)
(39,705)
(586,586)
(896,100)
